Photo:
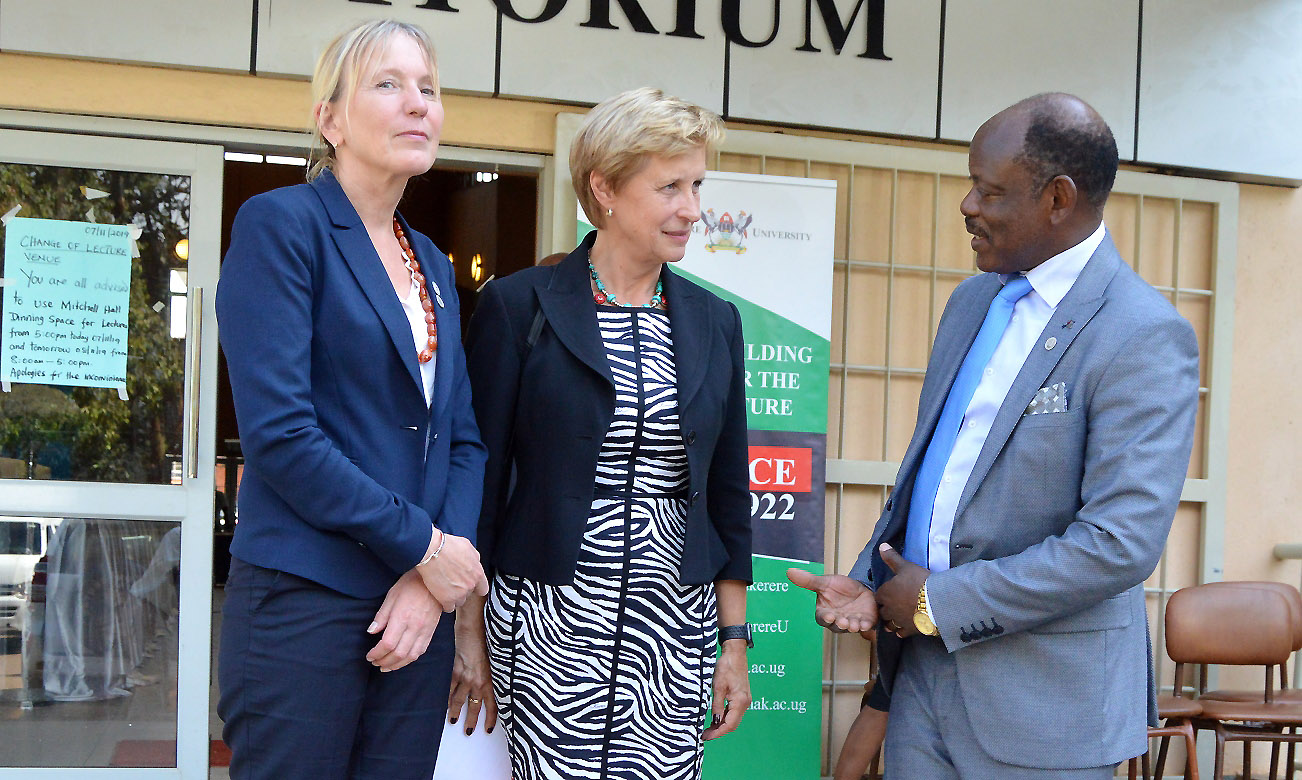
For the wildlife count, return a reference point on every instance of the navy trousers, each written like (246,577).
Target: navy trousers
(300,700)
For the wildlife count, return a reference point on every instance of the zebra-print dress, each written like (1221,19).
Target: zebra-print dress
(609,678)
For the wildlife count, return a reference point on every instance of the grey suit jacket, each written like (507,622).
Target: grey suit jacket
(1064,517)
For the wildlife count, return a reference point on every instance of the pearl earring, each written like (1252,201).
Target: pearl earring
(610,212)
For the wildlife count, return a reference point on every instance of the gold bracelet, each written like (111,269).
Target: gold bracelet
(442,541)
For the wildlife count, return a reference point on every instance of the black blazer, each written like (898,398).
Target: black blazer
(544,411)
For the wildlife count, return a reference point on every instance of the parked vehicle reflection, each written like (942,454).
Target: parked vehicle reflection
(93,637)
(23,540)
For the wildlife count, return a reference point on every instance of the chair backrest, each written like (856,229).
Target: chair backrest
(1290,594)
(1242,625)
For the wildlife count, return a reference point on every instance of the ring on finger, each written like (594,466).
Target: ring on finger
(475,701)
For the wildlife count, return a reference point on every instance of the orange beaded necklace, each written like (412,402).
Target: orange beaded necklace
(413,265)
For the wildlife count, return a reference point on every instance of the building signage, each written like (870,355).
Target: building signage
(930,69)
(65,303)
(685,14)
(765,243)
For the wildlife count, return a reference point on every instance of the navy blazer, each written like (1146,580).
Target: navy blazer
(345,466)
(545,410)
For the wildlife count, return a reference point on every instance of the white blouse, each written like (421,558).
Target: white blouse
(419,336)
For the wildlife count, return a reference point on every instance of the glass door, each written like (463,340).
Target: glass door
(108,353)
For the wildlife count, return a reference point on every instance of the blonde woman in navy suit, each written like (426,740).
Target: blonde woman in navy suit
(364,467)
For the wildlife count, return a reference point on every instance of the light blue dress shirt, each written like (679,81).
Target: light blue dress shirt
(1050,282)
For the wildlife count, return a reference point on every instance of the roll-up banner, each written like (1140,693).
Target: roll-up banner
(765,243)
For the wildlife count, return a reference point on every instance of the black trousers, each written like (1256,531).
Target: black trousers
(300,700)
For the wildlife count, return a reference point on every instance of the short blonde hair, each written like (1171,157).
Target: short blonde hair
(342,65)
(619,133)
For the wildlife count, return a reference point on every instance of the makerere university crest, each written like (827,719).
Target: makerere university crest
(724,233)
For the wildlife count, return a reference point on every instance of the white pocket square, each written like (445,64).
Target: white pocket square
(1048,400)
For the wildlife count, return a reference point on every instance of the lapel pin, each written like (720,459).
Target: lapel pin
(438,294)
(1051,343)
(1068,324)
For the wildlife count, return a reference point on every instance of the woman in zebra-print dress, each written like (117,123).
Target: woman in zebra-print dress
(616,520)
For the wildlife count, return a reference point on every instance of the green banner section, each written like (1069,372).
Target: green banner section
(786,679)
(786,368)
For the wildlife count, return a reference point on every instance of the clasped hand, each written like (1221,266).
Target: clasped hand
(455,573)
(408,618)
(411,609)
(897,598)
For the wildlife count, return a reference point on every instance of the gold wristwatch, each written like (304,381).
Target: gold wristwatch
(921,620)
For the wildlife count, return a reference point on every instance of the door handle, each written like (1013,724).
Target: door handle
(195,337)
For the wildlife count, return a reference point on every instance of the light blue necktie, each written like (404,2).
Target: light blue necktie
(918,534)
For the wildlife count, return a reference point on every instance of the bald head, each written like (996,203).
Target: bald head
(1062,135)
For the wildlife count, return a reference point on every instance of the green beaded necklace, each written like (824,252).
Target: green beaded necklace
(602,297)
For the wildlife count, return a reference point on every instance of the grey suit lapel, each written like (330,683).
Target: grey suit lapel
(951,347)
(952,344)
(1081,303)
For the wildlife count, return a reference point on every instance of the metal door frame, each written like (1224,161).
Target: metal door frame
(190,503)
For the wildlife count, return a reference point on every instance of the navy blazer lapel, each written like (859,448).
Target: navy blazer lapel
(1081,303)
(566,302)
(432,264)
(689,318)
(355,246)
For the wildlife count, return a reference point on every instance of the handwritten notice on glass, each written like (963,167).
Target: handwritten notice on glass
(65,303)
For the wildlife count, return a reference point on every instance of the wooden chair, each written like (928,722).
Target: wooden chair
(1177,713)
(1284,694)
(1241,625)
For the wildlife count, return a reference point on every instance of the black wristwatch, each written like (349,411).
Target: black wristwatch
(737,632)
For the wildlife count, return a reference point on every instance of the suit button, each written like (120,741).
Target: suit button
(695,497)
(965,636)
(690,437)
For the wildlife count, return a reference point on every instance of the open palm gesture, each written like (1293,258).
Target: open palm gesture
(843,604)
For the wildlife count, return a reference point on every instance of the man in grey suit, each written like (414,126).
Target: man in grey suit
(1053,435)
